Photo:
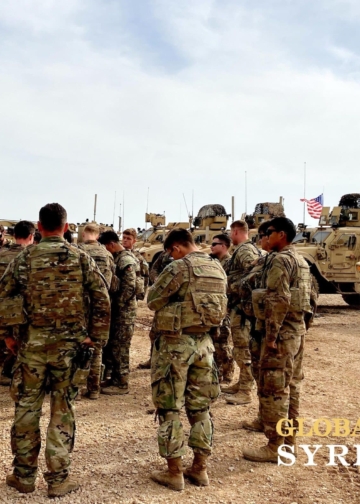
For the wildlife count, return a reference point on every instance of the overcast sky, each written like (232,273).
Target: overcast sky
(178,96)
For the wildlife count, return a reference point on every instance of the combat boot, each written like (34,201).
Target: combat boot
(256,425)
(291,441)
(67,486)
(145,365)
(14,482)
(232,389)
(122,389)
(91,394)
(197,472)
(267,453)
(5,381)
(173,477)
(241,397)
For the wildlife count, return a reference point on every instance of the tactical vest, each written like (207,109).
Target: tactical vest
(235,275)
(300,290)
(7,254)
(205,301)
(101,256)
(55,284)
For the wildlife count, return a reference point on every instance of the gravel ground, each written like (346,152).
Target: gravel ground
(116,446)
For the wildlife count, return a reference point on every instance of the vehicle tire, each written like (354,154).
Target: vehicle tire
(352,300)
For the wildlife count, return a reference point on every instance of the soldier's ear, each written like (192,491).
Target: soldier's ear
(66,227)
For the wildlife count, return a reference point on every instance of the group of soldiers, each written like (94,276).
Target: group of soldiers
(58,300)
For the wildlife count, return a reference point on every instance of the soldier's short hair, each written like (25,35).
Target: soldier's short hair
(240,224)
(37,237)
(107,237)
(263,227)
(224,238)
(23,229)
(52,216)
(284,224)
(92,228)
(178,236)
(130,232)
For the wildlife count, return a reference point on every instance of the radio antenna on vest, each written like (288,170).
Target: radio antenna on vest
(95,202)
(304,192)
(113,219)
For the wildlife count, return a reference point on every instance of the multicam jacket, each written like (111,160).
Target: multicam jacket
(124,302)
(55,280)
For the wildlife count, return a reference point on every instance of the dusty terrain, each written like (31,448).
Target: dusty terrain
(116,437)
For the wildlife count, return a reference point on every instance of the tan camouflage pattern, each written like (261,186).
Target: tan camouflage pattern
(117,352)
(281,368)
(159,265)
(144,270)
(200,286)
(241,262)
(7,254)
(102,257)
(183,371)
(47,350)
(223,350)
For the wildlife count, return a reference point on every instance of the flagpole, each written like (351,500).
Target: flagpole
(304,192)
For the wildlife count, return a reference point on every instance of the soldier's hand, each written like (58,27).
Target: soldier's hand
(11,344)
(87,341)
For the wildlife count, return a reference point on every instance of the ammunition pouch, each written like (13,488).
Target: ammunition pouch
(258,301)
(12,311)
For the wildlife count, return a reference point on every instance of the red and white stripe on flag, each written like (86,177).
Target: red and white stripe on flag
(314,206)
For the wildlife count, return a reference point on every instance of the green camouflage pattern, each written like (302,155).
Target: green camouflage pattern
(144,270)
(47,351)
(190,292)
(102,257)
(183,373)
(159,265)
(7,254)
(117,352)
(281,368)
(240,263)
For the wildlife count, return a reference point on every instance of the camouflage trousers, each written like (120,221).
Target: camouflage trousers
(255,353)
(223,351)
(32,370)
(280,380)
(94,378)
(241,351)
(183,373)
(117,351)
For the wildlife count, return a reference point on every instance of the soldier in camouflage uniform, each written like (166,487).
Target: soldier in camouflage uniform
(105,263)
(158,267)
(24,236)
(189,298)
(51,281)
(128,242)
(123,315)
(222,339)
(280,308)
(238,266)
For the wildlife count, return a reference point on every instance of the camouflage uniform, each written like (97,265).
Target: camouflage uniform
(183,371)
(54,280)
(123,314)
(238,266)
(144,270)
(158,267)
(222,342)
(281,368)
(105,263)
(7,254)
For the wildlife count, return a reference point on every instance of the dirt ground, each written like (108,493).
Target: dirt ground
(116,446)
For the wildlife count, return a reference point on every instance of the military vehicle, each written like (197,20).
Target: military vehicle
(77,230)
(155,233)
(263,212)
(333,250)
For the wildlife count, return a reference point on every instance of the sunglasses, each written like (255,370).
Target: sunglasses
(216,243)
(268,232)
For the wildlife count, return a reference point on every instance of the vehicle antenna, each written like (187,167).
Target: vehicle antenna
(147,205)
(245,192)
(95,202)
(113,219)
(304,191)
(190,219)
(123,209)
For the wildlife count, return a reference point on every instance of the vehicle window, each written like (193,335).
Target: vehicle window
(320,236)
(299,238)
(146,235)
(159,238)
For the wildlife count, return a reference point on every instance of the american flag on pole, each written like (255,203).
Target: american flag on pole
(314,206)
